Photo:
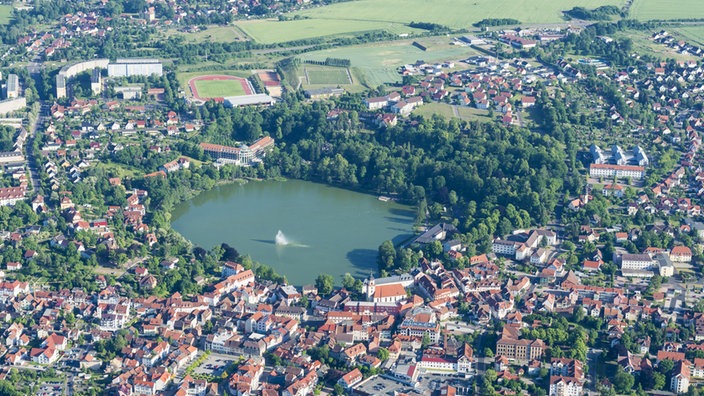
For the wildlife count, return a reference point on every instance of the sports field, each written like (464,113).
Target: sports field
(219,86)
(219,89)
(646,10)
(327,75)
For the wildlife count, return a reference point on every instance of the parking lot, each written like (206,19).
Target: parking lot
(51,389)
(383,386)
(215,364)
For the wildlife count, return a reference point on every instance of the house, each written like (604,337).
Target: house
(681,254)
(43,355)
(612,189)
(350,379)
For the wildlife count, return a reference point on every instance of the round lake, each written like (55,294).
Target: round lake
(301,229)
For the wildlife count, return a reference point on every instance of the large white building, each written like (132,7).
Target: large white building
(638,262)
(607,170)
(135,67)
(565,386)
(12,88)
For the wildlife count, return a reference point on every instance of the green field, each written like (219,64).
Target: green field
(690,33)
(213,33)
(646,10)
(394,15)
(376,64)
(643,46)
(5,14)
(326,75)
(446,110)
(219,88)
(273,31)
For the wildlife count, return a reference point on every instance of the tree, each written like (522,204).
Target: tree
(382,354)
(7,389)
(348,281)
(387,255)
(324,283)
(659,381)
(623,382)
(304,301)
(666,366)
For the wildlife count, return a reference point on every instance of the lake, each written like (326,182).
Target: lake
(299,228)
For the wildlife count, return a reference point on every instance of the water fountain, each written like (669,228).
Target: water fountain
(280,239)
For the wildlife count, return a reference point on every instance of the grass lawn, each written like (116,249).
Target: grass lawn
(377,64)
(5,14)
(327,75)
(118,170)
(642,45)
(445,110)
(219,88)
(646,10)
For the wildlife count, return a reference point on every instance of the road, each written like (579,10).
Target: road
(34,68)
(29,152)
(593,356)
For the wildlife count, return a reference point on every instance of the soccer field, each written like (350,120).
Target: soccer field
(219,88)
(329,75)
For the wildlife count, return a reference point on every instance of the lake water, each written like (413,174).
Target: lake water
(323,229)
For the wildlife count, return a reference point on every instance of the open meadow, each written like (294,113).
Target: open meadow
(646,10)
(5,13)
(212,33)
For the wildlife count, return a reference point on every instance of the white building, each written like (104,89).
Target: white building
(680,378)
(606,170)
(638,262)
(565,386)
(135,67)
(12,88)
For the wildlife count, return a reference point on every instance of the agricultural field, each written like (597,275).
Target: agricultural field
(693,33)
(377,64)
(394,15)
(219,88)
(271,31)
(5,14)
(316,75)
(646,10)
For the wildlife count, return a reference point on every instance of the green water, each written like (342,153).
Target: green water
(327,230)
